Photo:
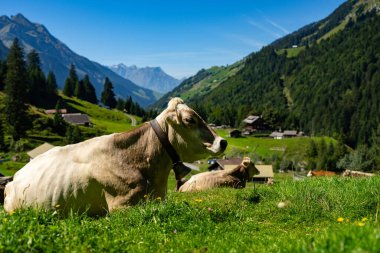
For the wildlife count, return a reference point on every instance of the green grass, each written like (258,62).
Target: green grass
(266,148)
(109,121)
(291,52)
(219,220)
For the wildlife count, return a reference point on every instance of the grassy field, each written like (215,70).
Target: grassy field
(108,121)
(267,148)
(320,215)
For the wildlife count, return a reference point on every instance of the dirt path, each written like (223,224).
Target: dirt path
(133,120)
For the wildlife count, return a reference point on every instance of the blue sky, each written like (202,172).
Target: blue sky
(181,36)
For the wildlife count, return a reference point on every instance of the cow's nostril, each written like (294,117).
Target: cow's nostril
(223,144)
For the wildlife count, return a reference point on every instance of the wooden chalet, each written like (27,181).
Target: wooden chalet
(77,119)
(235,133)
(253,123)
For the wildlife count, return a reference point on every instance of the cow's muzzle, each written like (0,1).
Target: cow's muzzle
(218,146)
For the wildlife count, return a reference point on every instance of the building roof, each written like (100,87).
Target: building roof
(40,150)
(265,171)
(76,118)
(53,111)
(276,134)
(250,119)
(290,132)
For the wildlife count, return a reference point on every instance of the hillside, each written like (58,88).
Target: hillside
(104,121)
(202,83)
(153,78)
(327,85)
(57,57)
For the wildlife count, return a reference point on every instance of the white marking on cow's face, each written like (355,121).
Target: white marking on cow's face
(196,138)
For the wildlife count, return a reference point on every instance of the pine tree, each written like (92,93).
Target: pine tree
(58,122)
(51,85)
(2,143)
(36,91)
(15,88)
(128,104)
(108,96)
(3,73)
(80,91)
(120,104)
(90,90)
(70,82)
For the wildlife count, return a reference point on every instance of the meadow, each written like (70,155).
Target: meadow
(320,215)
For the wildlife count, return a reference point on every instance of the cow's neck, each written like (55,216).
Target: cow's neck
(142,148)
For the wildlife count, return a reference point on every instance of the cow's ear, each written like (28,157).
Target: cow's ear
(246,162)
(175,113)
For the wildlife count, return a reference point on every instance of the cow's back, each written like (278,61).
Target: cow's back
(61,178)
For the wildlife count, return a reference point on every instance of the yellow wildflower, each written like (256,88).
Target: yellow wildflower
(340,219)
(158,198)
(360,224)
(57,205)
(5,220)
(145,196)
(347,220)
(11,213)
(198,200)
(364,219)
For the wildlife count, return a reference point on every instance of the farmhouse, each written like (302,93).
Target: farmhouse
(235,133)
(266,171)
(39,150)
(77,119)
(253,123)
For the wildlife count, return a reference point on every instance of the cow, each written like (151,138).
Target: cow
(113,171)
(235,178)
(321,173)
(353,173)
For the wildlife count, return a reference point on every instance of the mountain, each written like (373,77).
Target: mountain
(57,57)
(153,78)
(322,79)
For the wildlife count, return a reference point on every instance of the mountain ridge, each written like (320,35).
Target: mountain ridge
(153,78)
(56,56)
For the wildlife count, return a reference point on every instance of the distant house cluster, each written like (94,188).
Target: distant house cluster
(253,123)
(286,134)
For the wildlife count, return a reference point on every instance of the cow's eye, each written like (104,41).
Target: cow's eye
(190,121)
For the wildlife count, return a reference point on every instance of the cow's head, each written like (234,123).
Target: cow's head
(249,167)
(188,132)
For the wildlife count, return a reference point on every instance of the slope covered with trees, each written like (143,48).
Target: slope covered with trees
(329,87)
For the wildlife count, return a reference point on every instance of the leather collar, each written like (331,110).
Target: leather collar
(179,168)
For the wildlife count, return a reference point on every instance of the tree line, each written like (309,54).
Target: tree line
(23,82)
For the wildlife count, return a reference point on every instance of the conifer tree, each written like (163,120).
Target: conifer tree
(80,91)
(128,104)
(15,88)
(2,143)
(36,80)
(3,73)
(51,84)
(70,82)
(120,104)
(89,90)
(58,122)
(108,96)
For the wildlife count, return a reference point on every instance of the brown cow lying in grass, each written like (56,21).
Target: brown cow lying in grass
(235,178)
(112,171)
